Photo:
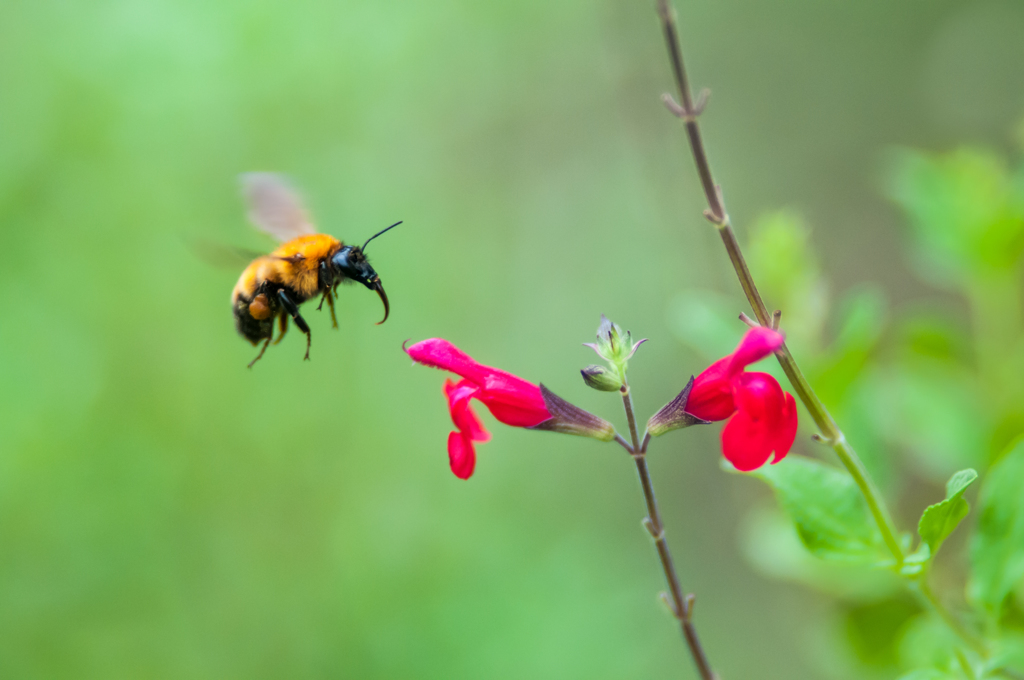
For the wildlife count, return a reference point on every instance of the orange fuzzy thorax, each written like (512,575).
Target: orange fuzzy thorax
(294,264)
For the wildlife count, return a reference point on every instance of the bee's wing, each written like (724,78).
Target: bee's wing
(274,206)
(219,254)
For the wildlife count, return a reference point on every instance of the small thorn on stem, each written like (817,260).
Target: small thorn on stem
(720,222)
(656,532)
(669,604)
(681,112)
(776,318)
(688,603)
(747,320)
(673,106)
(702,101)
(822,439)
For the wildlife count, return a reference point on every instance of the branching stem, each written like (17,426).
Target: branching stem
(682,606)
(718,216)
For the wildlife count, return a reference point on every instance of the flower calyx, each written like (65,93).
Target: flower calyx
(673,415)
(571,419)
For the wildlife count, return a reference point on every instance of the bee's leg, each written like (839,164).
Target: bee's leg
(293,309)
(330,305)
(260,355)
(282,324)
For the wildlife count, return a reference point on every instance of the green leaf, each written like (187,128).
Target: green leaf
(769,542)
(997,555)
(827,509)
(938,521)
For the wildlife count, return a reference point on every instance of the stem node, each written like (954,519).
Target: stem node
(678,604)
(689,601)
(747,320)
(656,532)
(683,113)
(667,601)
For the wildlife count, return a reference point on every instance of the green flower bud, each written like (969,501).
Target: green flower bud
(613,345)
(600,378)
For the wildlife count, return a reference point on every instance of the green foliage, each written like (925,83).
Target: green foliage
(872,629)
(704,321)
(922,391)
(939,520)
(1008,654)
(827,509)
(932,412)
(966,210)
(997,554)
(861,321)
(927,644)
(772,546)
(787,272)
(927,674)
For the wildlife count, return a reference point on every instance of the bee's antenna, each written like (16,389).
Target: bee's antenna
(379,233)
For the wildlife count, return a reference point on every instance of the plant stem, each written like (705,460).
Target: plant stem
(718,216)
(967,637)
(681,605)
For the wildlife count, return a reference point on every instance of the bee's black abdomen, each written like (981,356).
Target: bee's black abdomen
(253,330)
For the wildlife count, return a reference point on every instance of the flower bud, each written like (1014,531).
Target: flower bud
(600,378)
(673,415)
(613,345)
(569,419)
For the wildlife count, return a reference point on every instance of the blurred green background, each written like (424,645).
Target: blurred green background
(166,513)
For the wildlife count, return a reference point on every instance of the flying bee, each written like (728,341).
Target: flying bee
(305,265)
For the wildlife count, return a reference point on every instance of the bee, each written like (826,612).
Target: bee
(305,265)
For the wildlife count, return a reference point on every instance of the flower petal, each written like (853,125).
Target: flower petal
(746,443)
(765,421)
(511,399)
(462,413)
(786,432)
(461,454)
(711,395)
(758,343)
(759,394)
(440,353)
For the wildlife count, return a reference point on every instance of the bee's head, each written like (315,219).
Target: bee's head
(352,264)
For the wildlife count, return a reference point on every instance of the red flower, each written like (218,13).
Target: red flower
(763,416)
(510,399)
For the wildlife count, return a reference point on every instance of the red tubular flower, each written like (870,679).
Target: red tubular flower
(509,398)
(762,418)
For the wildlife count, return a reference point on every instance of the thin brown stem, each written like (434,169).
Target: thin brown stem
(621,441)
(717,214)
(627,403)
(682,606)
